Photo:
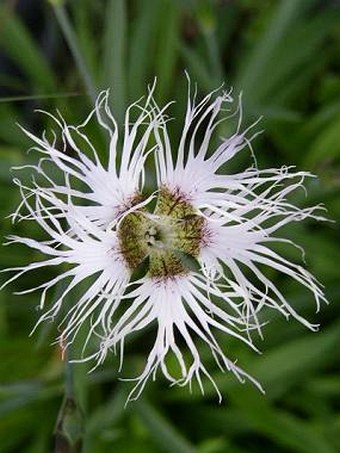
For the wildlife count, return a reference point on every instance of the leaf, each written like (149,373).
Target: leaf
(19,45)
(114,55)
(167,47)
(142,47)
(161,430)
(326,145)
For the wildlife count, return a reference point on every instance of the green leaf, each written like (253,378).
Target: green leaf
(114,55)
(326,145)
(164,433)
(16,41)
(167,47)
(142,47)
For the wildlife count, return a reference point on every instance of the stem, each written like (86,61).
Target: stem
(72,41)
(69,427)
(69,383)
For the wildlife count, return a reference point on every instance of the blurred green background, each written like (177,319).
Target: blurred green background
(285,57)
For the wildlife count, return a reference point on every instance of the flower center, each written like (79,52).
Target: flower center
(170,238)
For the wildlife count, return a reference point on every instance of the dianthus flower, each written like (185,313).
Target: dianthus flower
(187,259)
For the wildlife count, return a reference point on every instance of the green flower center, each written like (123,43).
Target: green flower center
(169,239)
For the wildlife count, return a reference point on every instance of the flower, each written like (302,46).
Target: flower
(103,191)
(74,198)
(188,259)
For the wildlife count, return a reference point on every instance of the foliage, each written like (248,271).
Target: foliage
(284,56)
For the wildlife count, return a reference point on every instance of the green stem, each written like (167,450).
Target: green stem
(38,96)
(69,427)
(72,41)
(69,383)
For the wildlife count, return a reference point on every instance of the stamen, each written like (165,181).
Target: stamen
(175,230)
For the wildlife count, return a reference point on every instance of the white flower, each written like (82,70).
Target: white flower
(91,252)
(103,191)
(241,211)
(76,209)
(224,222)
(202,245)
